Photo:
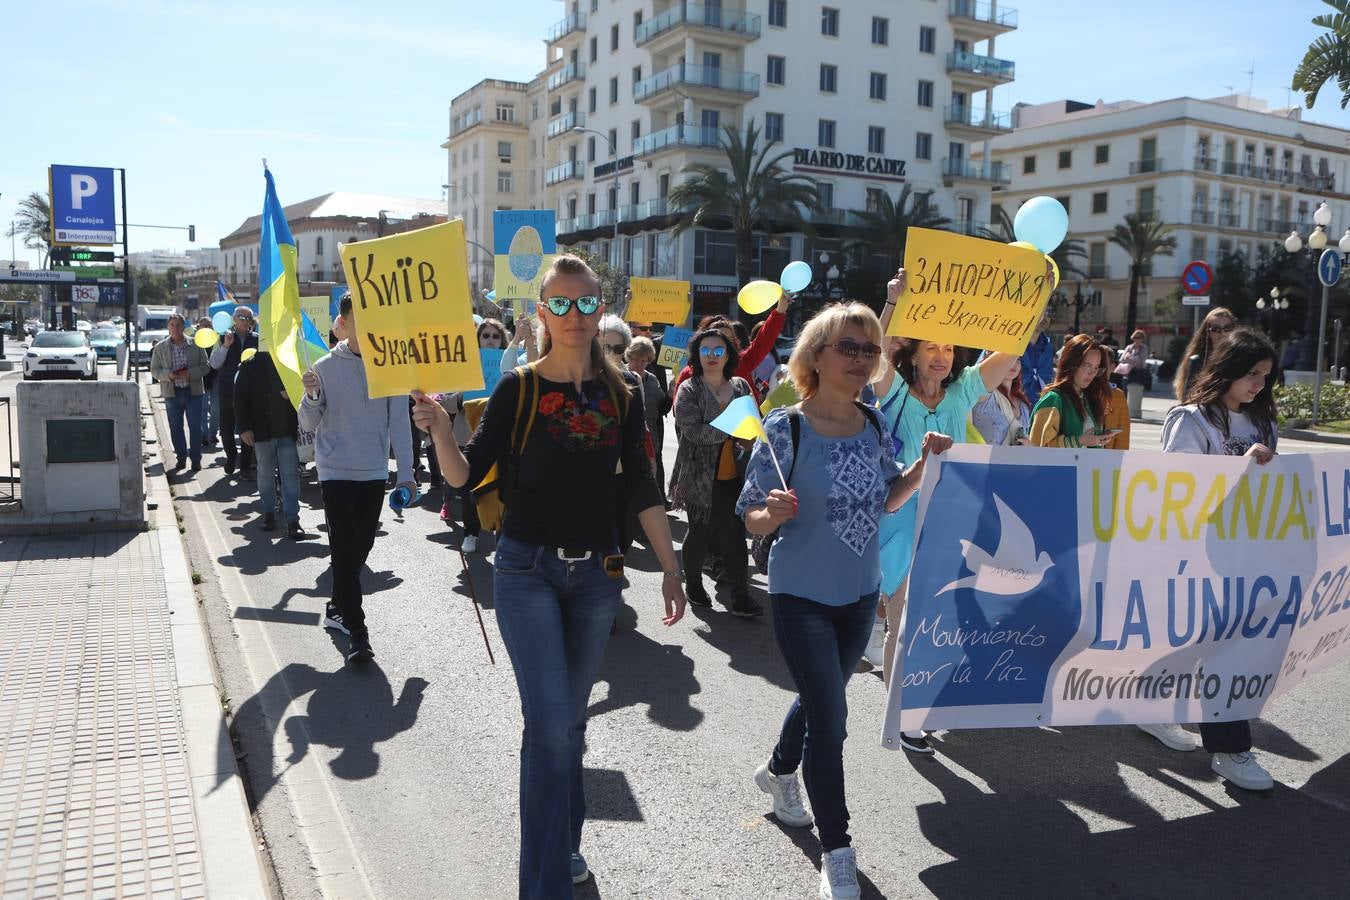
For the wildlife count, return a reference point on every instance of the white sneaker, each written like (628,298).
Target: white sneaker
(1172,736)
(1243,770)
(839,875)
(470,543)
(786,792)
(876,647)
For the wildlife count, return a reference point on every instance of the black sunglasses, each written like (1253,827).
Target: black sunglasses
(1220,329)
(851,349)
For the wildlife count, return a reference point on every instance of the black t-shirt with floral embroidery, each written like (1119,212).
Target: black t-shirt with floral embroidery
(567,492)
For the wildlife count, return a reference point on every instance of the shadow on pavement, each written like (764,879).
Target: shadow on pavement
(641,671)
(749,645)
(351,710)
(1239,851)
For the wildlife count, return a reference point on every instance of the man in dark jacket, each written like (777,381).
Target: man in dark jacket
(225,360)
(268,424)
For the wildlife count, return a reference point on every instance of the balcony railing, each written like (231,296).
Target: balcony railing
(691,75)
(983,66)
(573,71)
(565,123)
(1206,164)
(1277,226)
(677,136)
(698,16)
(1229,220)
(1099,271)
(966,170)
(1144,166)
(574,22)
(971,228)
(1002,16)
(633,212)
(1202,217)
(983,119)
(565,172)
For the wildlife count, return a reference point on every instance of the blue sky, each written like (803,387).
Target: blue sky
(189,95)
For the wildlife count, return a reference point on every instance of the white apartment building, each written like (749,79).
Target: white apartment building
(159,262)
(495,161)
(1230,174)
(868,96)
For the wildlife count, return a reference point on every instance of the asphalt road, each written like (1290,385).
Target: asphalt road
(401,777)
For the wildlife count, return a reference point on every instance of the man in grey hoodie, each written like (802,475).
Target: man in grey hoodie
(352,437)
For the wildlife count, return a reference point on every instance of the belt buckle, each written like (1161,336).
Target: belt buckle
(562,555)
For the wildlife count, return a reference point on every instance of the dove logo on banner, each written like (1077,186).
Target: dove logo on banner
(985,625)
(1013,568)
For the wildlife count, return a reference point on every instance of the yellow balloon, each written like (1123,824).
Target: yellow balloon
(757,296)
(1025,245)
(247,355)
(205,338)
(1054,266)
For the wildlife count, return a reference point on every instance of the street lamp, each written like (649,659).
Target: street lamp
(1276,305)
(477,267)
(613,152)
(1080,301)
(1317,242)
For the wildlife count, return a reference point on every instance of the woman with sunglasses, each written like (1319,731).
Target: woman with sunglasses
(749,354)
(491,336)
(1231,412)
(557,579)
(1218,324)
(1072,409)
(825,567)
(708,472)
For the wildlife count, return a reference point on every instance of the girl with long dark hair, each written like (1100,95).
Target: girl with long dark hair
(1072,410)
(1231,413)
(1218,324)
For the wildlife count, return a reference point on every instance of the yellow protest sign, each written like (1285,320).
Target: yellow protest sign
(657,301)
(410,298)
(319,312)
(970,292)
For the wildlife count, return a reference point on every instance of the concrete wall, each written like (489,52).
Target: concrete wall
(81,493)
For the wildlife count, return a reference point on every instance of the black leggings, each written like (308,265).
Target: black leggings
(723,531)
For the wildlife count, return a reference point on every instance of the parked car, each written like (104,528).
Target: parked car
(33,326)
(105,342)
(145,342)
(60,354)
(84,325)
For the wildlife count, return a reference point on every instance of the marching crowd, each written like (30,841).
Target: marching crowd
(564,461)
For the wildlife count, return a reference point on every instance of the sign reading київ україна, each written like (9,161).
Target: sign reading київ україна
(1095,587)
(410,297)
(970,292)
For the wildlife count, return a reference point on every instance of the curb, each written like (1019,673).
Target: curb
(232,865)
(1321,437)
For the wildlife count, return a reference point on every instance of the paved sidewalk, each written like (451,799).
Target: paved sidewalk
(117,777)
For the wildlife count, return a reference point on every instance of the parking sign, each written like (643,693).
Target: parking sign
(84,210)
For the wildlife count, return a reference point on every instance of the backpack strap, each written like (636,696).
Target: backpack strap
(795,431)
(870,414)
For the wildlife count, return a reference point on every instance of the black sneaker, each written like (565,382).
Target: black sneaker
(269,522)
(295,532)
(915,742)
(229,465)
(197,466)
(333,619)
(360,650)
(746,607)
(180,465)
(697,596)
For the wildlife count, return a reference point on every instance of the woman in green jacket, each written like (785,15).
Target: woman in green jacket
(1072,410)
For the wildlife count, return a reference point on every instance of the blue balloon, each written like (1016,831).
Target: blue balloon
(796,276)
(221,321)
(1042,221)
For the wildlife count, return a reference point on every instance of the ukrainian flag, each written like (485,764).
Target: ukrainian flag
(224,294)
(283,324)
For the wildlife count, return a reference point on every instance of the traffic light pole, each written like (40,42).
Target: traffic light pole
(126,280)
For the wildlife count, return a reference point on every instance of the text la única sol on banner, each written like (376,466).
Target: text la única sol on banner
(410,297)
(1100,588)
(970,292)
(657,301)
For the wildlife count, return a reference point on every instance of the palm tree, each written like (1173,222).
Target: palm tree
(1142,237)
(33,224)
(1065,255)
(882,230)
(1327,57)
(757,194)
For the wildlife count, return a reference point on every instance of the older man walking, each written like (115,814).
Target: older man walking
(179,366)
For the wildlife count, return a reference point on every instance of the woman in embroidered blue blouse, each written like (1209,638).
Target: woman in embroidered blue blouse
(825,568)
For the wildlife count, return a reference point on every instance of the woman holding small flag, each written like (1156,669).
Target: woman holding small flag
(825,566)
(709,470)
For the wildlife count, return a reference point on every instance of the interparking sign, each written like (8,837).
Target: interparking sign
(84,210)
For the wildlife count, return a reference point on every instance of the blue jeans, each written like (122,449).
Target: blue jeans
(554,617)
(181,406)
(209,424)
(274,454)
(821,645)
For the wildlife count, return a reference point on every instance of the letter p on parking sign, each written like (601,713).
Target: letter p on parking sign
(84,208)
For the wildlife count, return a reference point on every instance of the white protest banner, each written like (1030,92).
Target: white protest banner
(1063,587)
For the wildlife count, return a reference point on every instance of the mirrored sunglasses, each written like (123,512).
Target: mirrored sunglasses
(560,306)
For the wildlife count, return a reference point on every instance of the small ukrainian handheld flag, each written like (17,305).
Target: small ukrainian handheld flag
(741,420)
(224,293)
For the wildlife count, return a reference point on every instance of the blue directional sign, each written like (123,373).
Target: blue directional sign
(84,208)
(1329,267)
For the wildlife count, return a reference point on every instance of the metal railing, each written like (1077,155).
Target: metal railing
(691,75)
(574,22)
(698,16)
(677,136)
(996,173)
(573,71)
(983,119)
(1202,217)
(1144,166)
(1002,16)
(565,172)
(984,66)
(565,123)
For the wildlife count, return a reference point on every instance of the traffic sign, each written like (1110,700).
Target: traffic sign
(1197,277)
(83,205)
(84,293)
(1195,300)
(1329,267)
